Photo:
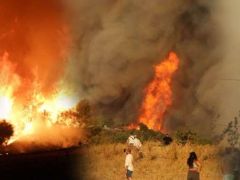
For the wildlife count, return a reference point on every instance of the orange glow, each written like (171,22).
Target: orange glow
(38,109)
(158,94)
(34,46)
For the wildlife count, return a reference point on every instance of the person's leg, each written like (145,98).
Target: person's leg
(129,175)
(190,176)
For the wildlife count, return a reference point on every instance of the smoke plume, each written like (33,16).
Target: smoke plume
(116,45)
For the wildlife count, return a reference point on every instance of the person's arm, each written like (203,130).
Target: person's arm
(199,165)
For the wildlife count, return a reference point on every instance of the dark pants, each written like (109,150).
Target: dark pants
(129,174)
(193,175)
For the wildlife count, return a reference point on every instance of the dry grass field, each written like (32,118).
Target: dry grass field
(106,162)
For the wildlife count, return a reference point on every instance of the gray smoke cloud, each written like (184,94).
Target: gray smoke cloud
(117,43)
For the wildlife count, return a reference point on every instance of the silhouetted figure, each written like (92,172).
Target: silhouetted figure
(167,139)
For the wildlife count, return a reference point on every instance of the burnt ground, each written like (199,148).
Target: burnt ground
(64,164)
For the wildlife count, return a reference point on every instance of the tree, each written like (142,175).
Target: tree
(84,110)
(232,132)
(6,131)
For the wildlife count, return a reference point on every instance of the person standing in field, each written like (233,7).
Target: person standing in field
(194,167)
(130,140)
(129,163)
(134,142)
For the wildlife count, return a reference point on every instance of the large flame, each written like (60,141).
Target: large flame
(158,95)
(37,108)
(34,97)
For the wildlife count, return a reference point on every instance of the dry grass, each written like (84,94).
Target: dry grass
(106,162)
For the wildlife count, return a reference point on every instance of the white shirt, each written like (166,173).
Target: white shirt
(131,139)
(137,143)
(129,162)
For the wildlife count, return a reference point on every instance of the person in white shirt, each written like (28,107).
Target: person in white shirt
(130,140)
(134,141)
(129,163)
(137,143)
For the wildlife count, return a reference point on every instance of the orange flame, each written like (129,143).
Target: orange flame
(38,110)
(35,96)
(158,95)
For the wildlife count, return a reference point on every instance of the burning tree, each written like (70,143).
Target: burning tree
(6,131)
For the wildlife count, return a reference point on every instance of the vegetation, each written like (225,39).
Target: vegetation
(99,135)
(106,157)
(183,137)
(232,133)
(106,161)
(6,131)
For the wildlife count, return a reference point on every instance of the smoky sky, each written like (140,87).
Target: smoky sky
(117,44)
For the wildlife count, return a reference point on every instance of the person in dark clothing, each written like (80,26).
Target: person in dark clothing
(167,139)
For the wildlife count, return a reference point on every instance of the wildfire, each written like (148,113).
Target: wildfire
(158,94)
(35,97)
(37,109)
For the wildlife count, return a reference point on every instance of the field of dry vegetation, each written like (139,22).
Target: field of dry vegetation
(106,162)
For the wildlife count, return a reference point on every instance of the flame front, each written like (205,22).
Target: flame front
(25,116)
(35,97)
(158,94)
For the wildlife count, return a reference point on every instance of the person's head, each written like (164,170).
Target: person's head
(192,157)
(127,151)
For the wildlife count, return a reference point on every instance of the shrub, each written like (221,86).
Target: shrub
(120,137)
(183,137)
(84,111)
(232,133)
(6,131)
(146,134)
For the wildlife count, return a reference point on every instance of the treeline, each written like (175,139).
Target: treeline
(98,135)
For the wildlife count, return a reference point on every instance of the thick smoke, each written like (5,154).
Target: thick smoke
(118,43)
(228,82)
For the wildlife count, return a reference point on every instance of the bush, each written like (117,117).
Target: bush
(183,137)
(6,131)
(232,133)
(84,110)
(146,134)
(121,137)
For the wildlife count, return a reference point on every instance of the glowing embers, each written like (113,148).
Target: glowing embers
(158,94)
